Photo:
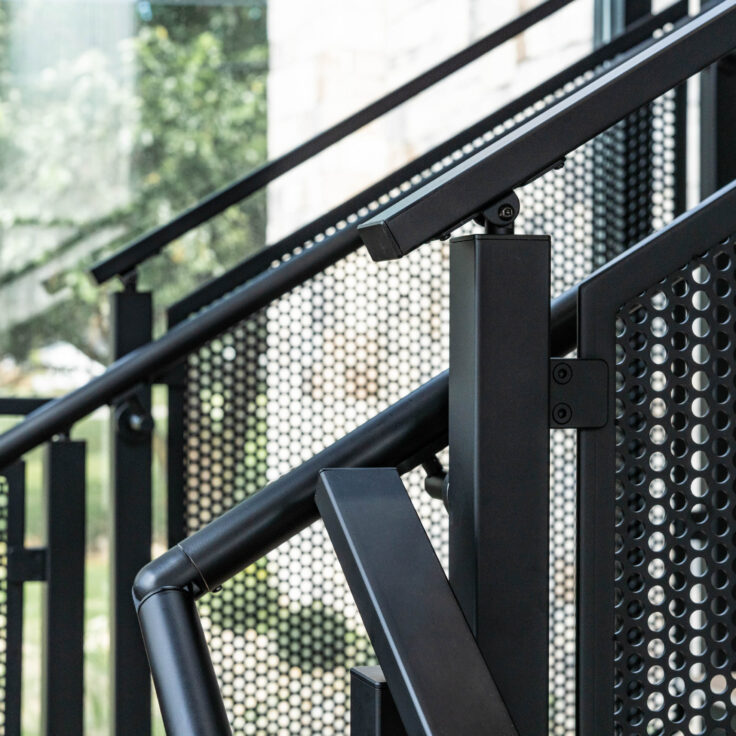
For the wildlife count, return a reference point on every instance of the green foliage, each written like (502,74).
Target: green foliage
(193,118)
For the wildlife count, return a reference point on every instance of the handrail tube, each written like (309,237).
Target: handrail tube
(175,642)
(165,590)
(533,147)
(400,436)
(151,360)
(154,240)
(248,531)
(204,295)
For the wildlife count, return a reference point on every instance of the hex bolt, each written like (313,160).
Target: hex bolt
(562,413)
(506,212)
(562,373)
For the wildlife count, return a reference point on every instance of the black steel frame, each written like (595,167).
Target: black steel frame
(599,298)
(402,436)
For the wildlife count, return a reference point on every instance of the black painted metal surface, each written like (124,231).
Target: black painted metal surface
(656,647)
(499,451)
(372,709)
(152,242)
(63,598)
(432,664)
(130,530)
(12,535)
(461,193)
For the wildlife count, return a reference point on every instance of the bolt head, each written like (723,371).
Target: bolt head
(506,212)
(562,413)
(562,373)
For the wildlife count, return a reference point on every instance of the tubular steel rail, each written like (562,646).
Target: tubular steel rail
(402,436)
(149,244)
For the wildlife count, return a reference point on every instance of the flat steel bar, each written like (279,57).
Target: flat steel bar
(15,477)
(131,467)
(432,664)
(63,599)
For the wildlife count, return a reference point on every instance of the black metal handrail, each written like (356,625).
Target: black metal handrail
(401,436)
(344,213)
(675,57)
(153,241)
(465,191)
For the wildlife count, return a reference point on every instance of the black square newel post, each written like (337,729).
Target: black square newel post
(63,597)
(131,455)
(499,460)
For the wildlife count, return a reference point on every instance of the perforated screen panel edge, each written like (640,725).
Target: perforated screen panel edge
(656,499)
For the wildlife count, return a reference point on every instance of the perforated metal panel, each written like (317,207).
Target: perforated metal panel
(675,575)
(321,360)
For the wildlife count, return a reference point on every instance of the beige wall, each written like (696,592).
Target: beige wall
(330,57)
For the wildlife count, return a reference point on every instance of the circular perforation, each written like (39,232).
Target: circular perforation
(674,557)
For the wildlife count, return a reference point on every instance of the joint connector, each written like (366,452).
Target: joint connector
(173,569)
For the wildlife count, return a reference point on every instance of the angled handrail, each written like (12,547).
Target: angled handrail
(639,32)
(154,240)
(401,436)
(702,41)
(467,189)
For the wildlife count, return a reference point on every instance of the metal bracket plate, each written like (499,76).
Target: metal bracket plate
(577,393)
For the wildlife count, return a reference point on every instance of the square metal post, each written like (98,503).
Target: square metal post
(717,113)
(15,525)
(131,457)
(372,709)
(63,624)
(499,460)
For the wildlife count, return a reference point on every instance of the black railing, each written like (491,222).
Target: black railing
(403,436)
(702,42)
(400,437)
(132,255)
(59,564)
(343,220)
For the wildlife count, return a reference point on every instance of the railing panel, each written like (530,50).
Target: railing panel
(319,361)
(657,498)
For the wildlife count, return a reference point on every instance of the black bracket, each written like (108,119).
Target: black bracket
(25,565)
(578,393)
(133,420)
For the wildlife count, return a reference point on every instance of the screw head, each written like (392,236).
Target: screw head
(562,413)
(562,373)
(506,212)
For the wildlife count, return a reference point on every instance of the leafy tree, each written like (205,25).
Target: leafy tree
(194,119)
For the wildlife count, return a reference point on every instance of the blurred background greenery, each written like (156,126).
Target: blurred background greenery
(114,116)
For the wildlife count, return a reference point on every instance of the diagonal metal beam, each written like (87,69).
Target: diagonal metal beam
(433,667)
